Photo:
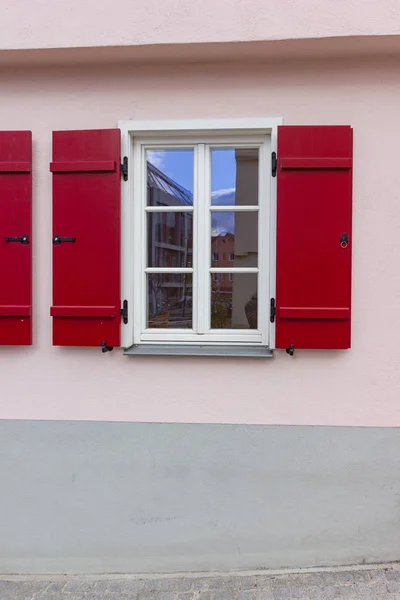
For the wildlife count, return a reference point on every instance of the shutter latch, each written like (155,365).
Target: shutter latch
(22,240)
(344,240)
(105,348)
(124,311)
(57,240)
(124,168)
(274,164)
(272,311)
(290,350)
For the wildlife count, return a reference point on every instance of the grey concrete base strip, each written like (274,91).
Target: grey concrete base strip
(97,497)
(198,350)
(357,584)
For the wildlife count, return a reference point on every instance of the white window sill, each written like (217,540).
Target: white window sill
(198,350)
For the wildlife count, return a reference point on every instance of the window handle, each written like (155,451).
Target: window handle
(57,239)
(22,240)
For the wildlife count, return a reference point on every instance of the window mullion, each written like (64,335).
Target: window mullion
(202,245)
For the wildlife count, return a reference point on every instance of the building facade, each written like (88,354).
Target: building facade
(201,442)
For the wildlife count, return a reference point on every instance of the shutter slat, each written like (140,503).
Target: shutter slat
(314,205)
(15,167)
(83,311)
(286,312)
(315,163)
(15,311)
(82,166)
(86,207)
(15,221)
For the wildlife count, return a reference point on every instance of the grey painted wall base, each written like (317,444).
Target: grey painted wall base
(89,497)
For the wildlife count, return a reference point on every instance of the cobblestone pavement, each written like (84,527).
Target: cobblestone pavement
(379,583)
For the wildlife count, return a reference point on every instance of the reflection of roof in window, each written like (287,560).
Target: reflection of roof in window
(222,233)
(157,179)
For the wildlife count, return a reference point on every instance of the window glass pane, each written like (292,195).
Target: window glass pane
(234,301)
(169,300)
(234,176)
(169,239)
(234,239)
(169,177)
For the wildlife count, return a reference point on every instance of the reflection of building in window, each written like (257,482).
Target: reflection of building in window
(170,244)
(237,248)
(246,233)
(222,245)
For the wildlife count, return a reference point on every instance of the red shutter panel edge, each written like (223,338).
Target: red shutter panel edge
(15,222)
(314,207)
(86,223)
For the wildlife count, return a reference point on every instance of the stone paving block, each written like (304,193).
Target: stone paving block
(79,586)
(204,595)
(327,592)
(102,585)
(280,590)
(93,595)
(56,586)
(344,578)
(160,596)
(245,595)
(263,582)
(205,583)
(265,594)
(223,594)
(244,582)
(361,577)
(393,586)
(181,584)
(378,587)
(344,591)
(393,574)
(377,575)
(14,589)
(299,591)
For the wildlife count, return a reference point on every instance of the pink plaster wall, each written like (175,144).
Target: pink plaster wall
(356,387)
(80,23)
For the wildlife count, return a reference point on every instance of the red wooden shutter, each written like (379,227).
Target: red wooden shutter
(313,279)
(15,238)
(86,238)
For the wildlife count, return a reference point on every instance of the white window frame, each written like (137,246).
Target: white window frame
(135,135)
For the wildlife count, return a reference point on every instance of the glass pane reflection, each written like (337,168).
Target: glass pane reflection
(234,176)
(234,239)
(169,300)
(169,239)
(170,177)
(234,300)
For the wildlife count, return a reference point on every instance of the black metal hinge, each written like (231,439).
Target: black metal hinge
(272,311)
(124,311)
(274,164)
(124,168)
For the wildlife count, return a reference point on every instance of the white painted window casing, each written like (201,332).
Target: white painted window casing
(201,135)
